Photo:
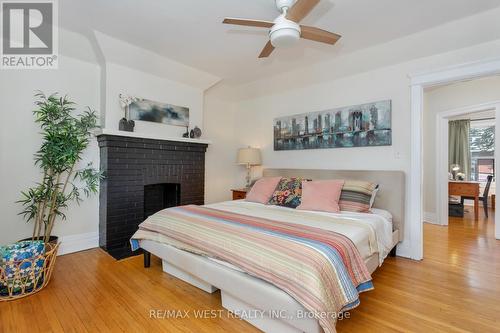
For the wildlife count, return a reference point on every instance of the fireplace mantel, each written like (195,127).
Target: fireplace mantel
(141,135)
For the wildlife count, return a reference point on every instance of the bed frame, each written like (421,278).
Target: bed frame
(244,294)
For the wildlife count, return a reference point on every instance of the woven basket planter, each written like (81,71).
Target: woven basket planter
(23,277)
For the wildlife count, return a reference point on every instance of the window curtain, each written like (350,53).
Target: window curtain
(459,145)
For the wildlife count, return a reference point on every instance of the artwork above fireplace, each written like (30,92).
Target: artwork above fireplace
(147,110)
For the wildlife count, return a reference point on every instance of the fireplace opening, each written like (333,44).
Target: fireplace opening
(160,196)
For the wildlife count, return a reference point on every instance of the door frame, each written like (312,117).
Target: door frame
(442,119)
(414,235)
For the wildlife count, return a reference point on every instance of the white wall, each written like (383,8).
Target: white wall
(19,140)
(447,98)
(133,71)
(257,116)
(219,124)
(121,79)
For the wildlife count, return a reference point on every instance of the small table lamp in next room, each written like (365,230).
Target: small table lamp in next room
(249,157)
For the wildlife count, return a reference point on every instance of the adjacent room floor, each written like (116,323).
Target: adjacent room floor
(455,289)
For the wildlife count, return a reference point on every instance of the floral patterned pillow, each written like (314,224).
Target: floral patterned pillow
(287,193)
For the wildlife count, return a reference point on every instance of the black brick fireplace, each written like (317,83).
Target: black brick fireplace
(143,176)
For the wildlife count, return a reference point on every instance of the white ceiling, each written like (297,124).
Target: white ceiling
(190,31)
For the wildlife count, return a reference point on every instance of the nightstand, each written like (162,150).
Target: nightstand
(240,193)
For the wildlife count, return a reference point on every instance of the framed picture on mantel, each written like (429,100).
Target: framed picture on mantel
(147,110)
(362,125)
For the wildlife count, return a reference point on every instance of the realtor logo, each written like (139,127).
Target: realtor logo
(29,35)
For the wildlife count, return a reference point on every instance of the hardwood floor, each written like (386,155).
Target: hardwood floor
(456,288)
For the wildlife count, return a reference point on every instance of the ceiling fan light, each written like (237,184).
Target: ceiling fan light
(285,37)
(284,33)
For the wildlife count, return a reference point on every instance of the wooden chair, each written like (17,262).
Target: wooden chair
(484,197)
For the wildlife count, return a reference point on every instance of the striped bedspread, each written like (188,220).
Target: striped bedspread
(321,269)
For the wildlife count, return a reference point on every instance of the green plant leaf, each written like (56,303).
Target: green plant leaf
(64,139)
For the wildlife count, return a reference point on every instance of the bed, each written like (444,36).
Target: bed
(260,302)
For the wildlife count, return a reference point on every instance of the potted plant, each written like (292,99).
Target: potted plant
(64,139)
(24,267)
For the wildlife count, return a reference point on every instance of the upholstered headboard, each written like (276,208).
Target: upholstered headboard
(391,194)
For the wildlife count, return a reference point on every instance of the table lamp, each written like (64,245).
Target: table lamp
(454,170)
(249,157)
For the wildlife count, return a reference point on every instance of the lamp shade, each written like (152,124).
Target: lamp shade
(250,156)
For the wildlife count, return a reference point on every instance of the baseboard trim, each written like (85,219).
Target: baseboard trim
(79,242)
(430,218)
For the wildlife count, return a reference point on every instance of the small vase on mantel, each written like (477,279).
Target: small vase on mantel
(125,123)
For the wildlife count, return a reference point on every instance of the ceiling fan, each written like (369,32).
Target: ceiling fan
(285,30)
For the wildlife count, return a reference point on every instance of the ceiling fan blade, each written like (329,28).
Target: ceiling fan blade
(301,9)
(249,23)
(318,35)
(267,50)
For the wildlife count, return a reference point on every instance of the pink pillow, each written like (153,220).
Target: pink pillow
(263,189)
(321,195)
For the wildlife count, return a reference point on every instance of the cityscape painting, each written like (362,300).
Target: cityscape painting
(352,126)
(146,110)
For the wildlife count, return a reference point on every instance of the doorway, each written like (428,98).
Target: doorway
(412,246)
(451,176)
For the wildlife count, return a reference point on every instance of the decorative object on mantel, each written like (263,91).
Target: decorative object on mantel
(126,124)
(196,132)
(146,110)
(249,157)
(353,126)
(65,138)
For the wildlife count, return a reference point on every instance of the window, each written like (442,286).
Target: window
(482,147)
